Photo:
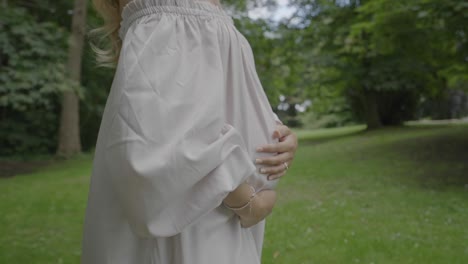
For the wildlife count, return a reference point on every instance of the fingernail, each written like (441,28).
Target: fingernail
(258,161)
(259,149)
(270,178)
(262,170)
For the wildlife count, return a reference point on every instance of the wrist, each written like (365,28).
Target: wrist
(241,200)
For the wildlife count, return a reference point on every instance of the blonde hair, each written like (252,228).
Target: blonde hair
(109,32)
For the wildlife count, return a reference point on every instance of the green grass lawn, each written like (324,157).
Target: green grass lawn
(398,195)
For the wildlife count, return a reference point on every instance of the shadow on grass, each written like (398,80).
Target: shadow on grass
(11,168)
(435,155)
(320,140)
(330,134)
(19,166)
(440,158)
(370,133)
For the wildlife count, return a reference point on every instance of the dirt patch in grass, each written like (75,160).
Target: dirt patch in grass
(442,158)
(11,168)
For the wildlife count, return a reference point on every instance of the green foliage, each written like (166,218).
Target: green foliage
(383,56)
(281,69)
(32,77)
(312,120)
(351,58)
(329,111)
(58,12)
(265,55)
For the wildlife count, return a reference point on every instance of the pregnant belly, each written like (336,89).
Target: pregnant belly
(256,123)
(247,106)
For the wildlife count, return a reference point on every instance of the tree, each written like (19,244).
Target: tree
(385,56)
(69,133)
(32,77)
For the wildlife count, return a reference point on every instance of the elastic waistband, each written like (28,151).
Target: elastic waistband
(139,8)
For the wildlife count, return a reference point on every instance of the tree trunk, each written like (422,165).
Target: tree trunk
(69,133)
(369,97)
(371,111)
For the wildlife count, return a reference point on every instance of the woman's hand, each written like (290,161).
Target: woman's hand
(277,165)
(260,207)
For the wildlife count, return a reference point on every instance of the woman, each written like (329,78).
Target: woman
(174,178)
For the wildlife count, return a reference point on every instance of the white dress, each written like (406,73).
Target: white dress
(185,113)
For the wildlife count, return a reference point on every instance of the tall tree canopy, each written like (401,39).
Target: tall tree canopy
(384,56)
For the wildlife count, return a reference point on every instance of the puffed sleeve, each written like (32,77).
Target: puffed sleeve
(277,118)
(170,153)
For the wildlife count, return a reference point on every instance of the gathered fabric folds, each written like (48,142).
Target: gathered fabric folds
(185,113)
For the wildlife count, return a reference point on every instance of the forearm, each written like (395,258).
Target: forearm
(239,197)
(251,207)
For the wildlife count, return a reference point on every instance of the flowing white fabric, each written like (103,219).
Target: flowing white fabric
(185,113)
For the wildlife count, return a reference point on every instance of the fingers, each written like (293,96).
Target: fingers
(276,176)
(275,160)
(285,144)
(281,131)
(277,169)
(277,147)
(273,169)
(285,149)
(275,172)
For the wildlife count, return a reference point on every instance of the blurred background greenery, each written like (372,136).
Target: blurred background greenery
(326,64)
(376,90)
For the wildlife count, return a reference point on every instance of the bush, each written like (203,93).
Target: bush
(32,79)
